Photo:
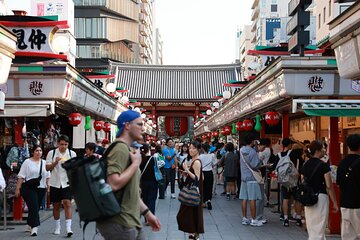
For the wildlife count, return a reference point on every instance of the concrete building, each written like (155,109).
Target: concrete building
(245,45)
(269,23)
(117,30)
(158,48)
(325,11)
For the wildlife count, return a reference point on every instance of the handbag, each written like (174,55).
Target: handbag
(35,182)
(158,175)
(189,195)
(257,174)
(305,193)
(159,160)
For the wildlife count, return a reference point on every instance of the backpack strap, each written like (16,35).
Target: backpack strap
(313,172)
(53,154)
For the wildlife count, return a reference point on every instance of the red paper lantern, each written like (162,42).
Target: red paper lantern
(248,125)
(209,135)
(239,126)
(75,119)
(272,118)
(215,134)
(98,125)
(222,132)
(227,130)
(176,126)
(107,127)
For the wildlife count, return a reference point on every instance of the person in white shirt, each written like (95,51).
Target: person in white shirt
(33,168)
(59,187)
(207,161)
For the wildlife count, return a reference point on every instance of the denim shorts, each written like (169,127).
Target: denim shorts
(250,191)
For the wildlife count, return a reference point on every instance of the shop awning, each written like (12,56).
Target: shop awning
(28,109)
(327,107)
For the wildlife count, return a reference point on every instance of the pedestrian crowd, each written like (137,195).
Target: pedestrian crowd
(139,173)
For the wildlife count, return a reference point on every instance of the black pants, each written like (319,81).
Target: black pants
(170,177)
(208,185)
(33,199)
(149,190)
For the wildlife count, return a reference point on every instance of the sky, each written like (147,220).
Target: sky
(195,32)
(198,32)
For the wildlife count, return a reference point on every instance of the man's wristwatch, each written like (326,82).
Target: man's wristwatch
(145,212)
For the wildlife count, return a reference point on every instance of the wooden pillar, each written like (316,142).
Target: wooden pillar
(335,157)
(285,125)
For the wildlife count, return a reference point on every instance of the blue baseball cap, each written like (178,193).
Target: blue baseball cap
(125,117)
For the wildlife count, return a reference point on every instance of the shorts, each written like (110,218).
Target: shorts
(58,194)
(231,179)
(288,193)
(115,231)
(250,191)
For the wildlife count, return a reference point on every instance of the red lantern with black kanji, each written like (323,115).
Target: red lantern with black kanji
(75,119)
(107,127)
(239,126)
(215,134)
(272,118)
(227,130)
(176,126)
(248,125)
(222,132)
(98,125)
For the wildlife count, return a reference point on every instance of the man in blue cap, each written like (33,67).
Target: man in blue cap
(124,178)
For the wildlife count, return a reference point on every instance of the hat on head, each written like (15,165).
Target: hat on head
(125,117)
(286,142)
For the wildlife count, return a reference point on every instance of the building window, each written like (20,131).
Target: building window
(330,8)
(273,7)
(90,27)
(319,20)
(324,14)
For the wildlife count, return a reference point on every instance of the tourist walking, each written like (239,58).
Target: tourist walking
(149,185)
(208,162)
(123,175)
(170,166)
(318,175)
(161,163)
(250,189)
(60,193)
(230,161)
(31,185)
(348,179)
(190,219)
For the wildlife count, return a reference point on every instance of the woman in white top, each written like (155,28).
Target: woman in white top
(208,161)
(33,194)
(183,156)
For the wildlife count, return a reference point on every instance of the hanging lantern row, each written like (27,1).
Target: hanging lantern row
(76,118)
(272,118)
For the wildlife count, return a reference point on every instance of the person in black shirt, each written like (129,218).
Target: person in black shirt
(288,193)
(317,215)
(348,179)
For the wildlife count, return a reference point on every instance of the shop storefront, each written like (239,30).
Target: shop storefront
(298,89)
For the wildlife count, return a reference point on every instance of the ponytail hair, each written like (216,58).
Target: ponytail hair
(314,146)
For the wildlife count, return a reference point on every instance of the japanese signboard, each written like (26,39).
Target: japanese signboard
(34,39)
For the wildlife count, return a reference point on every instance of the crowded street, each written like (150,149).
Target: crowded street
(221,223)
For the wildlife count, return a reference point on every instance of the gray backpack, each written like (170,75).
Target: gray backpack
(287,172)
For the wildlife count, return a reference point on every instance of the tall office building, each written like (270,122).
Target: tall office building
(269,23)
(245,46)
(158,49)
(117,30)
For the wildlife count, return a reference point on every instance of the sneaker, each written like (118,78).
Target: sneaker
(281,217)
(69,232)
(245,221)
(286,223)
(209,206)
(173,196)
(298,222)
(228,197)
(34,232)
(57,231)
(27,228)
(255,223)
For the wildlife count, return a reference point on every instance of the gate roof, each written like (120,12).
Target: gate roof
(171,83)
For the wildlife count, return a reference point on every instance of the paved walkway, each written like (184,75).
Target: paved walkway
(223,222)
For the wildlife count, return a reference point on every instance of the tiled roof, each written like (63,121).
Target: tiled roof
(174,83)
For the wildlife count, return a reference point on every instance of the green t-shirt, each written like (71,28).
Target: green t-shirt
(118,160)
